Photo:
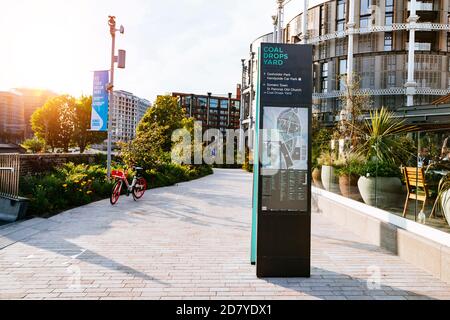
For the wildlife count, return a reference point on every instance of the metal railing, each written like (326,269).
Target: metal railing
(9,175)
(424,26)
(382,92)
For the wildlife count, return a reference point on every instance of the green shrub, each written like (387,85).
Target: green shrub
(69,186)
(74,185)
(379,169)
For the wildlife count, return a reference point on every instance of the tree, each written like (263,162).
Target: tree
(82,137)
(146,149)
(66,121)
(167,115)
(153,143)
(54,122)
(354,104)
(34,145)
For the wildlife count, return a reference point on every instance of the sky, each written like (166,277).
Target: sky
(172,45)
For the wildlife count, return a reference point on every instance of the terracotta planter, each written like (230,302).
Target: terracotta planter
(381,192)
(330,180)
(348,185)
(317,177)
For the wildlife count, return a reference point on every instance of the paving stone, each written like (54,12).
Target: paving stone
(189,241)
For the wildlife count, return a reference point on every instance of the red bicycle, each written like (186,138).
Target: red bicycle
(137,188)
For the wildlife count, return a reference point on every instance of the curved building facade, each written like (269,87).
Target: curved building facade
(374,39)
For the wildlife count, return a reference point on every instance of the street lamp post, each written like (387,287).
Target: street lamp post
(114,59)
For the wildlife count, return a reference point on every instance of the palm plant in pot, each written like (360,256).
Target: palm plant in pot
(380,182)
(348,169)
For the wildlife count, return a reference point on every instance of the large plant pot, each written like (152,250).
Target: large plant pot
(317,177)
(445,203)
(381,192)
(329,179)
(348,185)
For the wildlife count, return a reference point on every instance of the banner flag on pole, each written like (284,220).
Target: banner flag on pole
(99,118)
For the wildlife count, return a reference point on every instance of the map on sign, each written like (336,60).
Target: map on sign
(285,138)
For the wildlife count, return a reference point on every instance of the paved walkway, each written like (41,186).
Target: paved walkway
(189,241)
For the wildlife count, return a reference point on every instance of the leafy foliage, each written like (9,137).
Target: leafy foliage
(349,164)
(375,168)
(74,185)
(147,149)
(82,136)
(64,122)
(321,144)
(381,138)
(34,145)
(167,116)
(52,122)
(69,186)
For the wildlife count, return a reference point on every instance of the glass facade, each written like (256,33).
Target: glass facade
(413,186)
(222,115)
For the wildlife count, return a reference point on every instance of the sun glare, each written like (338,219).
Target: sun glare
(50,47)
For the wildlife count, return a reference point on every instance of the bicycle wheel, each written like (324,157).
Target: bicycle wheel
(140,188)
(115,193)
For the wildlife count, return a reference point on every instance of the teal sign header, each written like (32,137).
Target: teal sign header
(274,56)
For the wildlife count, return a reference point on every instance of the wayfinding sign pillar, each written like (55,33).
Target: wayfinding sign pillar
(281,239)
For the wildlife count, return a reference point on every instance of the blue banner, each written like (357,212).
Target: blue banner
(99,118)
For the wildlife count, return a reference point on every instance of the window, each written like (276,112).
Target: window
(388,41)
(224,104)
(213,103)
(390,79)
(323,50)
(364,22)
(389,5)
(366,7)
(323,20)
(340,10)
(342,73)
(341,46)
(202,102)
(366,42)
(389,19)
(340,23)
(324,77)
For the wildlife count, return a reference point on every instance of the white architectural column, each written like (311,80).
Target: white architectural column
(411,83)
(351,30)
(280,20)
(305,22)
(275,25)
(350,60)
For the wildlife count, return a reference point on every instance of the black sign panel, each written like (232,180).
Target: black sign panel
(284,182)
(286,75)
